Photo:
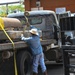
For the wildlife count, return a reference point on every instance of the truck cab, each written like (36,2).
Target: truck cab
(44,20)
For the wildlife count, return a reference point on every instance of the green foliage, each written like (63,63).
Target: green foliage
(16,8)
(11,8)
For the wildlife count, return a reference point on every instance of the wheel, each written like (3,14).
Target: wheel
(24,63)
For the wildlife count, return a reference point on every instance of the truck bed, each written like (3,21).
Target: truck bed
(22,44)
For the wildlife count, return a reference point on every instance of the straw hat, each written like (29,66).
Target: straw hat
(34,31)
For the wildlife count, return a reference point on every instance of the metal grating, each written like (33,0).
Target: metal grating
(67,23)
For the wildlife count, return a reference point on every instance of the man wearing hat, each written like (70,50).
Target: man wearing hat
(37,51)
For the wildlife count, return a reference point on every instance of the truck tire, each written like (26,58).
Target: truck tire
(24,63)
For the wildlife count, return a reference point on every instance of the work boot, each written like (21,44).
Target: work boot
(35,73)
(45,73)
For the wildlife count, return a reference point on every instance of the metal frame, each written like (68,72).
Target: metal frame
(66,59)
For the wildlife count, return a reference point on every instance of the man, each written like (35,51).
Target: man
(36,48)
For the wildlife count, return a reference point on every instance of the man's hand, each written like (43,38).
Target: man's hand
(22,35)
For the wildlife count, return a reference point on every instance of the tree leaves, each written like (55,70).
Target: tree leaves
(11,8)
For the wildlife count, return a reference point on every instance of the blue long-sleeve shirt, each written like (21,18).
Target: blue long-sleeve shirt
(34,43)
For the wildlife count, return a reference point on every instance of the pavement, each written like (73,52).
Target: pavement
(54,69)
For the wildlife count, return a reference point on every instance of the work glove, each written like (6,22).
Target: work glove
(22,36)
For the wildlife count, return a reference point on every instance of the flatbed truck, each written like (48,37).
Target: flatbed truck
(14,24)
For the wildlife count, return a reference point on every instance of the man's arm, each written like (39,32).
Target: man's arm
(24,38)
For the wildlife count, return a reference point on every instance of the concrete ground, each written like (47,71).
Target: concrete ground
(54,69)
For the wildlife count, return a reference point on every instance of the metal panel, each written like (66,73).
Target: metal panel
(67,23)
(22,44)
